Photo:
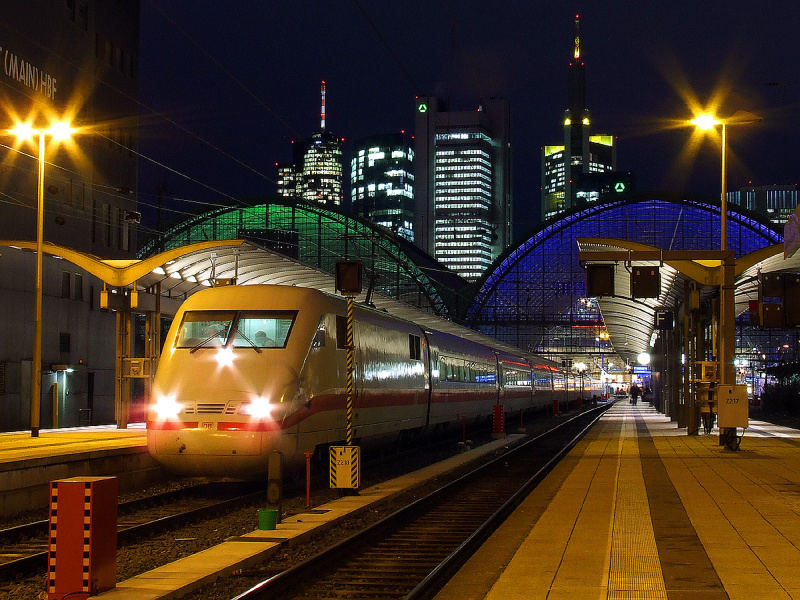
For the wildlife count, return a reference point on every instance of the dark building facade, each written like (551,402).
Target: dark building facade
(73,60)
(382,182)
(76,60)
(773,202)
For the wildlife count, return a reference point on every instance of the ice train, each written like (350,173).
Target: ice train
(247,370)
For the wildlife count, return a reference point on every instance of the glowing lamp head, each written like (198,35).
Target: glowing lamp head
(705,121)
(61,131)
(23,131)
(167,408)
(258,408)
(643,358)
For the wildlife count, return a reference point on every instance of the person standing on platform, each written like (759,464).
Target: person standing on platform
(634,394)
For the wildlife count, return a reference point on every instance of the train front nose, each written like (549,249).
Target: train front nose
(230,438)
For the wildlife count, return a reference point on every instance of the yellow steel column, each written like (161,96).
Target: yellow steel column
(123,389)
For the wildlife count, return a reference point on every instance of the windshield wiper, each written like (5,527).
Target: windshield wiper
(249,341)
(203,343)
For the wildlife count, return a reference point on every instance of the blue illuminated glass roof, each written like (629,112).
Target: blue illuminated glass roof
(536,291)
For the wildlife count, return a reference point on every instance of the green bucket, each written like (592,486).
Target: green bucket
(267,518)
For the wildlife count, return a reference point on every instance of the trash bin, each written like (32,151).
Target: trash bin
(267,518)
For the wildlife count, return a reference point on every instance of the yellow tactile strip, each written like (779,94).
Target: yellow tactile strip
(568,552)
(635,570)
(744,507)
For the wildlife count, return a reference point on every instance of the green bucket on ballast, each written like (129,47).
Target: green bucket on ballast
(267,518)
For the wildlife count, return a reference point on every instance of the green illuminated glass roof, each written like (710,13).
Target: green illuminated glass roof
(319,236)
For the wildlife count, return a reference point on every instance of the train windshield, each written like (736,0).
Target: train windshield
(248,329)
(263,329)
(207,328)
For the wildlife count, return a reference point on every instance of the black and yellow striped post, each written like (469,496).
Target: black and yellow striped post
(350,357)
(345,461)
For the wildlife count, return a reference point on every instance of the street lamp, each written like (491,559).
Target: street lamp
(59,131)
(708,122)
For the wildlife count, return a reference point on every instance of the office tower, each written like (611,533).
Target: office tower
(315,174)
(773,202)
(463,183)
(382,181)
(581,153)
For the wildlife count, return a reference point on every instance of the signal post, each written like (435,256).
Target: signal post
(345,461)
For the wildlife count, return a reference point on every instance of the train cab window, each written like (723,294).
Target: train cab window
(414,347)
(205,328)
(263,329)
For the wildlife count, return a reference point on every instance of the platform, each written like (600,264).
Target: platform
(638,509)
(28,464)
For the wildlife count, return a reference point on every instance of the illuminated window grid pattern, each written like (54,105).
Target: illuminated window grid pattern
(382,180)
(535,296)
(324,236)
(463,186)
(321,179)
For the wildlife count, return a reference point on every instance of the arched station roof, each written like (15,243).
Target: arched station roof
(535,296)
(318,236)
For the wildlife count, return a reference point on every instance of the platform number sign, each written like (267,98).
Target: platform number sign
(345,467)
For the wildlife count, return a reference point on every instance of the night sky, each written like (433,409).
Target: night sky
(225,87)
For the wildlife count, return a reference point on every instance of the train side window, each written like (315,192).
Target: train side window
(341,332)
(414,347)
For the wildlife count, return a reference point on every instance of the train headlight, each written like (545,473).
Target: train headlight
(225,357)
(259,407)
(167,408)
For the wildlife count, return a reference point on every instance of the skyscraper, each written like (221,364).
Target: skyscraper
(581,152)
(382,181)
(463,183)
(315,174)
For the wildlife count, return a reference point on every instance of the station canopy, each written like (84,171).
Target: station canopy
(535,296)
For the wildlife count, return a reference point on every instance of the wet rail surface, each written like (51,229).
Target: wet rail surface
(413,552)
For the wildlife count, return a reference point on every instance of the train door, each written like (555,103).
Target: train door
(430,359)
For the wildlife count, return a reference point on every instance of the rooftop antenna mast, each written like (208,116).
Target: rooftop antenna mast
(577,54)
(322,108)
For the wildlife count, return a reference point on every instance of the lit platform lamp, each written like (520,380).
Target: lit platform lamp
(727,317)
(59,132)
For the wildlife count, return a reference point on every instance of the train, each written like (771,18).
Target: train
(248,370)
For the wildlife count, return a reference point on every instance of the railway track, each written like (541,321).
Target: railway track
(24,547)
(413,552)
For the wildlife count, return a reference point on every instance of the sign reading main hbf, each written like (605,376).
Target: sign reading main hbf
(25,72)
